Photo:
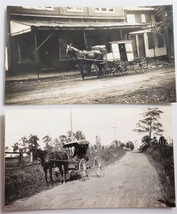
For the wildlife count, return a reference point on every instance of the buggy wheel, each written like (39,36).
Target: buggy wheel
(120,69)
(94,70)
(99,166)
(141,66)
(83,168)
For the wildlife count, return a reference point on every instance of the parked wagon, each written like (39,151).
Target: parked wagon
(119,58)
(116,57)
(80,161)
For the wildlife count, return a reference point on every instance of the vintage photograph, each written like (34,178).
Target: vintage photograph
(89,158)
(87,55)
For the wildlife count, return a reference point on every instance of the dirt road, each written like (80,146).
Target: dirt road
(130,182)
(154,86)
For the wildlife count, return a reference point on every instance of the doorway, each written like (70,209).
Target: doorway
(141,46)
(123,54)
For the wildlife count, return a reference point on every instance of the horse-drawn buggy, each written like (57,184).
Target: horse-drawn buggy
(73,159)
(80,160)
(116,57)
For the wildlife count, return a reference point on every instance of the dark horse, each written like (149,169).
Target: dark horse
(50,160)
(85,59)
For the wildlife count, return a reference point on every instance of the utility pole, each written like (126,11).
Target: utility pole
(114,129)
(71,125)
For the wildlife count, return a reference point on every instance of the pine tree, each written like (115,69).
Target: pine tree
(150,122)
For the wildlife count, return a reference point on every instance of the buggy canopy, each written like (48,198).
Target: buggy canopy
(76,143)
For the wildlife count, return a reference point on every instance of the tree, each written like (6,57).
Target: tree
(15,147)
(70,136)
(130,145)
(79,135)
(116,143)
(62,141)
(98,142)
(24,144)
(122,145)
(33,142)
(164,26)
(56,143)
(150,123)
(48,142)
(7,149)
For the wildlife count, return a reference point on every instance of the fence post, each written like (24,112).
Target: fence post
(31,157)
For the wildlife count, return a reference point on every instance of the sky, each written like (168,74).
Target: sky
(107,123)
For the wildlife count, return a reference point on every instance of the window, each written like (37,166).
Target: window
(138,18)
(148,18)
(131,18)
(75,9)
(104,9)
(151,40)
(39,8)
(26,49)
(143,18)
(160,41)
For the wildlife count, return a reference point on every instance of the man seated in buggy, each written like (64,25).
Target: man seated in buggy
(81,150)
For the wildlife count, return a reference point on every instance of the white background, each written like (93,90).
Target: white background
(3,4)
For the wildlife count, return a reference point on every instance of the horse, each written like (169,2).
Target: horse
(86,59)
(50,160)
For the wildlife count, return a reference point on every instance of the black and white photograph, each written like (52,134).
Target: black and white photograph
(89,158)
(89,55)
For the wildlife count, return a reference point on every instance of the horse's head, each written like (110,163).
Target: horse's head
(38,154)
(71,51)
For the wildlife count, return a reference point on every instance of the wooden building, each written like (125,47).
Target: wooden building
(37,37)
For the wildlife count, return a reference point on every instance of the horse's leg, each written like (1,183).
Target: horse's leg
(61,171)
(101,66)
(50,172)
(65,170)
(89,65)
(99,71)
(81,70)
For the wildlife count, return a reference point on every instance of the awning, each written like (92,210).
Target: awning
(141,31)
(19,27)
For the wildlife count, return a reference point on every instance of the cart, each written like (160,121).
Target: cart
(80,161)
(119,58)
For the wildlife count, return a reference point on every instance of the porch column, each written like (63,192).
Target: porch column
(36,54)
(8,45)
(19,52)
(85,39)
(35,45)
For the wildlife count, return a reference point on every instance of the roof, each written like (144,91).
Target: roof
(139,8)
(140,31)
(19,27)
(75,143)
(120,42)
